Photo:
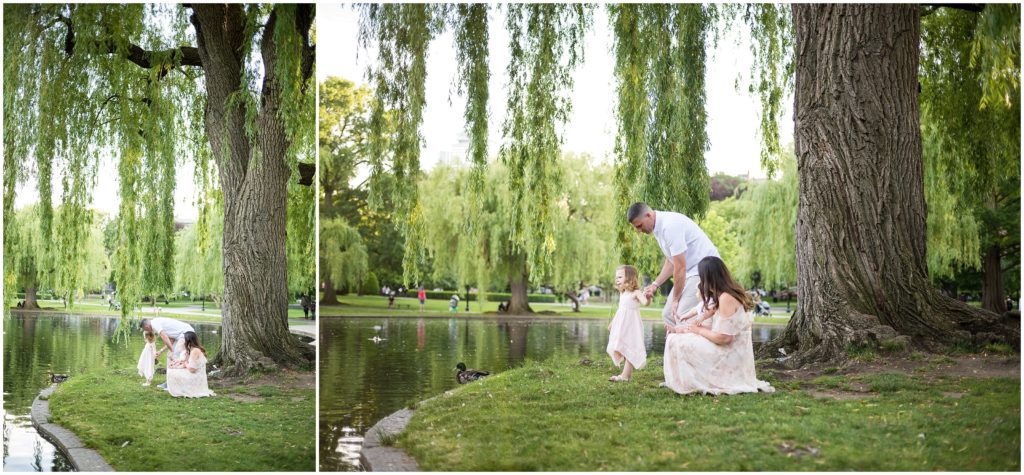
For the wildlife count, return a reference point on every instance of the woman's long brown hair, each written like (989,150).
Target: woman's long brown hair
(715,280)
(192,341)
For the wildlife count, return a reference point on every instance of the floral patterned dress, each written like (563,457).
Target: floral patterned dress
(183,383)
(695,364)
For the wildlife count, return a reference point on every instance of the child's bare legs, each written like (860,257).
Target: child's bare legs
(627,370)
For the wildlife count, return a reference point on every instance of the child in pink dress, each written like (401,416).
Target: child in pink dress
(626,340)
(147,360)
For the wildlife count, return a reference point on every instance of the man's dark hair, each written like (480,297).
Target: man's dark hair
(143,323)
(636,210)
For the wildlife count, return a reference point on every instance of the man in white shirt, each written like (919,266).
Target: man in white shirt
(170,331)
(684,244)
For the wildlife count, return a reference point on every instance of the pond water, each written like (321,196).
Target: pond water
(362,380)
(36,345)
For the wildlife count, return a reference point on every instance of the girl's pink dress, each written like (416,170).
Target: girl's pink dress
(627,333)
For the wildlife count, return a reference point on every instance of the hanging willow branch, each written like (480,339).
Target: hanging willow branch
(772,73)
(546,44)
(469,21)
(662,137)
(402,34)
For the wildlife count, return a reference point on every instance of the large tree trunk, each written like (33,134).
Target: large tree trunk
(31,302)
(253,177)
(571,295)
(993,297)
(518,279)
(862,276)
(330,293)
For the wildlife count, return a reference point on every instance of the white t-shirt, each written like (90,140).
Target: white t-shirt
(678,234)
(174,328)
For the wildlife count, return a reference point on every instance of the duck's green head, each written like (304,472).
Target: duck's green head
(461,366)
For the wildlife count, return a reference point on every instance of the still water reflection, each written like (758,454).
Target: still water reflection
(371,367)
(36,345)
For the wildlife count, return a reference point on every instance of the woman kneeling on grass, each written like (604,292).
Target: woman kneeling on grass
(720,359)
(186,377)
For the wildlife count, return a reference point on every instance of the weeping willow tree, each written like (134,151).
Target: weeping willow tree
(198,257)
(583,218)
(29,274)
(343,256)
(660,70)
(152,86)
(545,46)
(768,230)
(970,101)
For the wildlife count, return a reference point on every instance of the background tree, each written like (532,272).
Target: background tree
(342,253)
(583,232)
(343,132)
(86,77)
(198,259)
(971,129)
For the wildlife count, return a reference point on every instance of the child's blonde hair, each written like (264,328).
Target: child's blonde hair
(631,279)
(149,336)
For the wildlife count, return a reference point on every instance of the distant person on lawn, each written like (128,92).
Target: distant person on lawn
(423,298)
(684,244)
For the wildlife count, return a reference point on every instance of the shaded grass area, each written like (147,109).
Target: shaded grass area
(373,305)
(564,415)
(263,427)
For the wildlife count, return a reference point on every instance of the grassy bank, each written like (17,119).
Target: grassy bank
(264,425)
(373,305)
(565,416)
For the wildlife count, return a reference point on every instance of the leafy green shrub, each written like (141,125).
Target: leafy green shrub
(371,286)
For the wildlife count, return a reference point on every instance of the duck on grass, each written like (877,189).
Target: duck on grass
(928,413)
(263,424)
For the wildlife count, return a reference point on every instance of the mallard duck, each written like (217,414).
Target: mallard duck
(58,378)
(468,375)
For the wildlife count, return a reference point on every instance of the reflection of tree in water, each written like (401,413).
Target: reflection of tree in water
(37,455)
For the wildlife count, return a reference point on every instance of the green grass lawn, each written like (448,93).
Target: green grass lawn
(271,429)
(564,416)
(374,305)
(100,307)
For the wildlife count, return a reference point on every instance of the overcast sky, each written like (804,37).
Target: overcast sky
(732,116)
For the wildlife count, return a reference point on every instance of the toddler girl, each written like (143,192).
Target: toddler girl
(147,360)
(626,340)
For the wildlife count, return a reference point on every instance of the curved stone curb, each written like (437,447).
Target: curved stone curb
(378,458)
(82,458)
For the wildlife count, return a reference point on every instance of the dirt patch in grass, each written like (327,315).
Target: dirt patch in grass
(839,395)
(284,379)
(242,397)
(930,366)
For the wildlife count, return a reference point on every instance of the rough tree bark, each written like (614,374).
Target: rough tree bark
(31,302)
(253,177)
(993,297)
(519,278)
(862,276)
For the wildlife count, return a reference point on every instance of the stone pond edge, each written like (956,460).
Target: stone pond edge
(82,458)
(376,457)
